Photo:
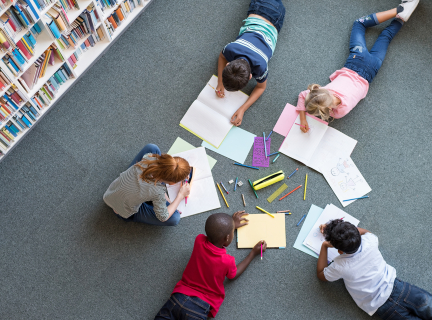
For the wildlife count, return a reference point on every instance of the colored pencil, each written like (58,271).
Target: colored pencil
(276,158)
(272,154)
(301,220)
(243,165)
(224,188)
(244,202)
(265,211)
(304,197)
(261,250)
(235,186)
(357,198)
(269,135)
(253,188)
(265,145)
(283,211)
(226,202)
(290,192)
(292,173)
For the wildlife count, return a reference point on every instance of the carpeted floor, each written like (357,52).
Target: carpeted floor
(64,254)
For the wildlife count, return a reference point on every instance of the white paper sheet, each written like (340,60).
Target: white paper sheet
(315,238)
(344,178)
(203,196)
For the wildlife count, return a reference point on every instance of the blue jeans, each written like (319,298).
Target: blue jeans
(146,212)
(406,302)
(181,306)
(367,63)
(272,10)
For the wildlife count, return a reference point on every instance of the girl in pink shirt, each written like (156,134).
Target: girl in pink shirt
(351,83)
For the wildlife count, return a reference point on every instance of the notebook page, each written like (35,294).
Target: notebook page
(301,146)
(206,123)
(333,142)
(225,106)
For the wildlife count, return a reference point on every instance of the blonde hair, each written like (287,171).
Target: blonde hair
(319,101)
(164,168)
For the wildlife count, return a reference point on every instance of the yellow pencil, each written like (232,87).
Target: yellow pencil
(265,211)
(222,195)
(304,198)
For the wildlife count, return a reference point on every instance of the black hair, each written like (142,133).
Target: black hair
(235,75)
(218,226)
(343,235)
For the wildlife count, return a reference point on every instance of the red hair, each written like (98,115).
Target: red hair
(164,168)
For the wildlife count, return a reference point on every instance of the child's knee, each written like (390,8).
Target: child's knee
(153,148)
(174,220)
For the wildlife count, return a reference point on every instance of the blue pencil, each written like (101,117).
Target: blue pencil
(301,220)
(269,135)
(235,186)
(265,145)
(357,198)
(293,173)
(272,154)
(275,158)
(243,165)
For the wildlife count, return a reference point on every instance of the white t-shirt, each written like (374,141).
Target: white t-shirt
(368,278)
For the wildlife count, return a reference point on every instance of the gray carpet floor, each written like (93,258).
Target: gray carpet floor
(64,254)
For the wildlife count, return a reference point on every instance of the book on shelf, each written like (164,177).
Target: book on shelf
(69,5)
(4,4)
(42,4)
(57,14)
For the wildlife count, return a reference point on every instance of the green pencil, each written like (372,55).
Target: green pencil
(253,188)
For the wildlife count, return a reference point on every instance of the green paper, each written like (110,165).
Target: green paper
(180,145)
(312,217)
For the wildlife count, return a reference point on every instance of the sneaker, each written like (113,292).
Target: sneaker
(406,8)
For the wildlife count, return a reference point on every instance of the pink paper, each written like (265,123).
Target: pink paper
(259,159)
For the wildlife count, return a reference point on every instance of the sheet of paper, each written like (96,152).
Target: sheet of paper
(301,146)
(315,238)
(308,223)
(203,196)
(335,143)
(206,123)
(226,106)
(236,145)
(181,145)
(263,227)
(258,158)
(286,120)
(344,178)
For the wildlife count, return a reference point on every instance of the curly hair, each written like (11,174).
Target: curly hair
(342,235)
(235,76)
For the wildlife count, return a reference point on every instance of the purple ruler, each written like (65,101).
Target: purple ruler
(258,158)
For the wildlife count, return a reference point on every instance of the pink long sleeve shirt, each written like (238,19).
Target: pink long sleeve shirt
(345,84)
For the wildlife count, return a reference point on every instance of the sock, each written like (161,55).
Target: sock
(400,9)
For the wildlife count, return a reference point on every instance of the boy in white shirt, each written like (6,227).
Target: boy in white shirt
(371,282)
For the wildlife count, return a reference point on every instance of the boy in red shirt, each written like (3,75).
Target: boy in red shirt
(200,292)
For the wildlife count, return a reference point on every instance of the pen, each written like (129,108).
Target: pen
(292,173)
(235,186)
(261,250)
(253,188)
(226,202)
(357,198)
(301,220)
(243,165)
(269,135)
(224,188)
(265,145)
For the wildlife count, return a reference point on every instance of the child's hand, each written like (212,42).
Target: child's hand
(220,90)
(322,227)
(237,117)
(327,244)
(257,249)
(184,190)
(305,125)
(238,218)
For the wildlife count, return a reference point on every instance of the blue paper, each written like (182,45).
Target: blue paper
(312,217)
(236,145)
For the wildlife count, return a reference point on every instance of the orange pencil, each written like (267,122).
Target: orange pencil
(290,192)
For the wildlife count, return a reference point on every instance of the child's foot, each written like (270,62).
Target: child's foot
(406,8)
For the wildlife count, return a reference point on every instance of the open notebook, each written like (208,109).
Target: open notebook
(313,147)
(315,238)
(203,196)
(209,116)
(263,227)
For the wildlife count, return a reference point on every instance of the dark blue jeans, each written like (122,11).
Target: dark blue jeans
(183,307)
(272,10)
(367,63)
(406,302)
(146,212)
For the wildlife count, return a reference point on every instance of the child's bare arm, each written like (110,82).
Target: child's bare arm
(259,89)
(322,260)
(220,90)
(241,267)
(303,122)
(362,231)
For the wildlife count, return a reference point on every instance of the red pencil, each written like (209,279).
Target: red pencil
(290,192)
(300,125)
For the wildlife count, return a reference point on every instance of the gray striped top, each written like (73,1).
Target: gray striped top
(126,194)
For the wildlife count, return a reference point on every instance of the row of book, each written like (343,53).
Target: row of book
(106,4)
(80,28)
(58,20)
(4,80)
(37,69)
(69,4)
(88,43)
(19,16)
(18,57)
(4,4)
(50,89)
(10,102)
(119,15)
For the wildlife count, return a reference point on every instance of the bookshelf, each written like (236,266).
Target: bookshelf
(52,63)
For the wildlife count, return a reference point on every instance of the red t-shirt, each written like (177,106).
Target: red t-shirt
(205,273)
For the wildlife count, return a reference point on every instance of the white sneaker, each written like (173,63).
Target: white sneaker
(408,8)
